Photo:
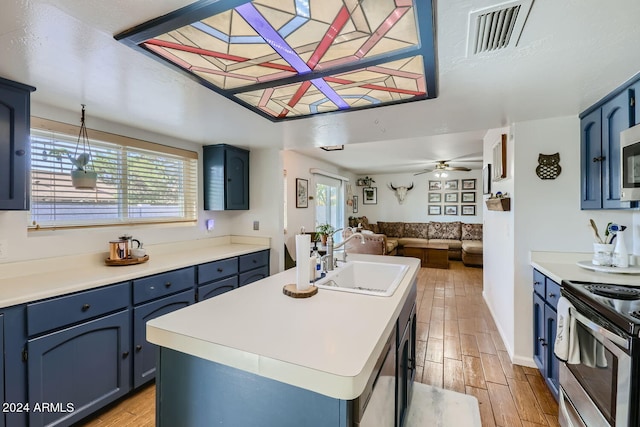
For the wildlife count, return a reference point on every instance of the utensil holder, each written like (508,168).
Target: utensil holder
(602,254)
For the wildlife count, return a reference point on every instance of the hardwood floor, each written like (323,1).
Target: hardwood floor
(458,348)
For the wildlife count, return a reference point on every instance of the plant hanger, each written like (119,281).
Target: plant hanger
(81,177)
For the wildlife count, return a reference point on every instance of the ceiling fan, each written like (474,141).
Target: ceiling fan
(441,166)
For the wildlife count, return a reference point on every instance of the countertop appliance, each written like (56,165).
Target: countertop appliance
(604,389)
(630,163)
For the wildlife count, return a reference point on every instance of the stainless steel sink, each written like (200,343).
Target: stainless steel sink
(362,277)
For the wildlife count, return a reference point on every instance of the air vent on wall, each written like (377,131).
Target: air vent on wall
(496,27)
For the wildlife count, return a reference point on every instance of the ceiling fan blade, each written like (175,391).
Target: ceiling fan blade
(457,168)
(420,173)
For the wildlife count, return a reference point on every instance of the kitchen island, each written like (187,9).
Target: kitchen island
(257,357)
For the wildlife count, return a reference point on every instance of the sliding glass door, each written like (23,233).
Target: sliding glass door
(329,202)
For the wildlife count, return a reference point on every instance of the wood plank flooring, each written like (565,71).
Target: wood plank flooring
(458,348)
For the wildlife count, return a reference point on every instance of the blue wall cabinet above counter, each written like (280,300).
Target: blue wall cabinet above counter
(226,177)
(600,128)
(14,145)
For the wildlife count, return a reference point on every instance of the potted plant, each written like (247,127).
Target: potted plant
(324,230)
(82,178)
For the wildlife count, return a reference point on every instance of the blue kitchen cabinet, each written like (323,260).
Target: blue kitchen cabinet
(14,145)
(546,294)
(253,267)
(2,399)
(600,128)
(79,369)
(216,288)
(144,358)
(635,102)
(226,177)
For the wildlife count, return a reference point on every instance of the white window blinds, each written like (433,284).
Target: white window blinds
(138,182)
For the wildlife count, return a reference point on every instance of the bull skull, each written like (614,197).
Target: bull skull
(401,192)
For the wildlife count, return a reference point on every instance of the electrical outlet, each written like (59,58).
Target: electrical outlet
(4,248)
(256,225)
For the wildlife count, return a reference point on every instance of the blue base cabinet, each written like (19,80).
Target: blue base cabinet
(144,358)
(546,293)
(79,369)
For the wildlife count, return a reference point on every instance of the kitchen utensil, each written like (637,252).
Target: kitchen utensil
(596,235)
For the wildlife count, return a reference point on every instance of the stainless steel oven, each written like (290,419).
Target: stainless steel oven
(602,390)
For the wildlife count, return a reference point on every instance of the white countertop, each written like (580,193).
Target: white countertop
(27,281)
(563,266)
(328,343)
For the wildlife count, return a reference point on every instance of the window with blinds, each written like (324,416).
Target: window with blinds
(138,181)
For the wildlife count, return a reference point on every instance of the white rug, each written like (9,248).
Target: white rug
(436,407)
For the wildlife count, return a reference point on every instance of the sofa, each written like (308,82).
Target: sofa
(464,240)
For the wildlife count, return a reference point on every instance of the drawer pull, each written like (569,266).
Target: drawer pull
(125,354)
(219,270)
(138,348)
(255,261)
(167,285)
(85,307)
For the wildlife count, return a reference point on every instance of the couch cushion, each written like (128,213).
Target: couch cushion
(472,246)
(471,231)
(444,230)
(391,229)
(453,244)
(392,243)
(404,241)
(416,230)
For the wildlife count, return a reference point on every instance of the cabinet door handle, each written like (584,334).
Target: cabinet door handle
(138,348)
(125,354)
(220,270)
(85,307)
(20,152)
(598,159)
(255,261)
(552,295)
(167,285)
(536,283)
(542,341)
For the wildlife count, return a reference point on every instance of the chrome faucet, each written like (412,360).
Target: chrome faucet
(330,248)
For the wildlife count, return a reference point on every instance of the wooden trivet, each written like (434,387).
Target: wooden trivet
(127,261)
(292,291)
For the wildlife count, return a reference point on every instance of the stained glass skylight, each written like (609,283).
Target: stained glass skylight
(289,59)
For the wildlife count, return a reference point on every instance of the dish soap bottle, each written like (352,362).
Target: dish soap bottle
(318,259)
(620,255)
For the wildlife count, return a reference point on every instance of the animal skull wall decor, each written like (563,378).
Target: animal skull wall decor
(401,192)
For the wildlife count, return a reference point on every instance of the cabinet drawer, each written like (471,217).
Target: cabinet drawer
(553,293)
(539,283)
(217,288)
(253,275)
(153,287)
(255,260)
(217,270)
(65,310)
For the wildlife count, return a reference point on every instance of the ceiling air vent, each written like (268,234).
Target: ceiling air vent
(497,27)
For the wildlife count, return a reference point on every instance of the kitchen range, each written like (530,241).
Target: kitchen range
(602,390)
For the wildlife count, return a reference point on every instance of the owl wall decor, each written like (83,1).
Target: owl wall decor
(548,166)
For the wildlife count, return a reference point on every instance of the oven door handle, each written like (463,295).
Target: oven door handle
(616,339)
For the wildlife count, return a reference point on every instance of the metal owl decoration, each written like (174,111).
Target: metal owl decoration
(548,166)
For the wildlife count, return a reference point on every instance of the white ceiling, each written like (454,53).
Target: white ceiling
(571,53)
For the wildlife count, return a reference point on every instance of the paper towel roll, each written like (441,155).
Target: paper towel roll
(303,247)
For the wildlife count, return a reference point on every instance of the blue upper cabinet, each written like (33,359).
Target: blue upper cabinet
(600,128)
(635,102)
(14,145)
(226,177)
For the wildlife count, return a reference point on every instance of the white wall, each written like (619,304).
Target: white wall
(23,245)
(545,216)
(415,206)
(297,166)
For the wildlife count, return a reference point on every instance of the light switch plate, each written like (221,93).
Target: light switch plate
(210,224)
(256,225)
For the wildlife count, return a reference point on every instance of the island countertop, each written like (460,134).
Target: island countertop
(328,343)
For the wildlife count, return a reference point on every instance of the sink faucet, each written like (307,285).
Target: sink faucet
(331,247)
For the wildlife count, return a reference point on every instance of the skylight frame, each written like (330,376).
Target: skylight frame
(200,10)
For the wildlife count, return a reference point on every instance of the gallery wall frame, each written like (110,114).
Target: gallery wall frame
(468,210)
(451,209)
(468,197)
(435,210)
(370,196)
(302,193)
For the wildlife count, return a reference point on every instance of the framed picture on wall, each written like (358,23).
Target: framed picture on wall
(451,210)
(435,210)
(468,209)
(451,197)
(451,184)
(355,204)
(500,158)
(302,193)
(469,197)
(486,179)
(435,197)
(469,184)
(435,185)
(370,196)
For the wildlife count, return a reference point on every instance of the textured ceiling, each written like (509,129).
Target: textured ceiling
(571,53)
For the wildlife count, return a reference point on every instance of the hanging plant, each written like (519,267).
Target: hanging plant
(81,177)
